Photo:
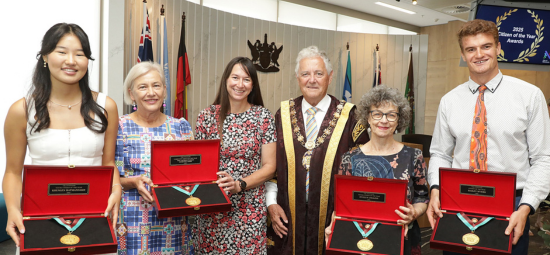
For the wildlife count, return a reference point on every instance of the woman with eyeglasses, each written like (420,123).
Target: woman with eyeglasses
(385,112)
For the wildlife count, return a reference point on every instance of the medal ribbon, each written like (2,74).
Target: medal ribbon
(71,227)
(185,191)
(470,224)
(371,229)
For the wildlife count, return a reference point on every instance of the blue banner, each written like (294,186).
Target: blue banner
(521,33)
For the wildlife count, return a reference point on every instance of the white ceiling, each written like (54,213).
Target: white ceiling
(428,12)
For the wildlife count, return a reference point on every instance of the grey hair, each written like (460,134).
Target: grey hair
(380,95)
(138,70)
(312,52)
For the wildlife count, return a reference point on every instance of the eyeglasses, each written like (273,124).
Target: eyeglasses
(390,116)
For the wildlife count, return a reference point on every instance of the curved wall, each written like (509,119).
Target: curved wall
(213,37)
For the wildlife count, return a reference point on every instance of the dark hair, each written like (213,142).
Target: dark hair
(222,98)
(477,26)
(39,95)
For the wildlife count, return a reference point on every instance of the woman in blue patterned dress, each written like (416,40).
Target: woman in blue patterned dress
(139,230)
(386,112)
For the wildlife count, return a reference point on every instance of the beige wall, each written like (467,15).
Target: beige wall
(214,37)
(444,74)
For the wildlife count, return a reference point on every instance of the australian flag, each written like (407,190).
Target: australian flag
(145,45)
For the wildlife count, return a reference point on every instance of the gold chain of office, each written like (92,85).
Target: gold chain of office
(327,131)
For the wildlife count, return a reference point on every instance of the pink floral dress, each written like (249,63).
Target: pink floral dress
(243,229)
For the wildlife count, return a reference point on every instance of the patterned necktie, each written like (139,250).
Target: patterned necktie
(478,145)
(311,134)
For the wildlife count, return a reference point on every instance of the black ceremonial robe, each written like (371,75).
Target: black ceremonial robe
(276,245)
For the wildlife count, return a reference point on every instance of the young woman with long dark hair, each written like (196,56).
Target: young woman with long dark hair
(62,121)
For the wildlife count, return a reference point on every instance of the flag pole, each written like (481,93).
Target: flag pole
(161,59)
(184,85)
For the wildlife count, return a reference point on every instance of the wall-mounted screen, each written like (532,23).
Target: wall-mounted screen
(521,33)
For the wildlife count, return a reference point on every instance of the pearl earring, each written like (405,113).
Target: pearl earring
(45,63)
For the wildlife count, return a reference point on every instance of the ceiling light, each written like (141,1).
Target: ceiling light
(395,8)
(414,2)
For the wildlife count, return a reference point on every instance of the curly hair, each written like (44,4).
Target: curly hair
(380,95)
(477,26)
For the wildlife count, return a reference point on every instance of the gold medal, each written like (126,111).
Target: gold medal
(470,239)
(192,201)
(69,239)
(365,245)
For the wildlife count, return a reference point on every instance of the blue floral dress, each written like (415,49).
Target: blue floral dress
(139,231)
(408,164)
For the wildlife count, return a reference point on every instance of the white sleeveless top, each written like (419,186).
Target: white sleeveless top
(79,146)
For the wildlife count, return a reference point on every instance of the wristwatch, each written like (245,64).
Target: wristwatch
(242,183)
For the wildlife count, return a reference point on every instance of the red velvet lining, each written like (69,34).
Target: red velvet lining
(502,204)
(37,202)
(346,206)
(162,173)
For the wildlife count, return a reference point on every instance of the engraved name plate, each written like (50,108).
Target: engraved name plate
(369,196)
(57,189)
(182,160)
(474,190)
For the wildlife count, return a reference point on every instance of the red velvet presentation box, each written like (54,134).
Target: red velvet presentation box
(71,193)
(367,201)
(477,195)
(185,164)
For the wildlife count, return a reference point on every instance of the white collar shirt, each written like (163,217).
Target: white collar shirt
(323,106)
(518,133)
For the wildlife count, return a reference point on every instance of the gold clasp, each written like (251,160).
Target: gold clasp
(197,208)
(71,166)
(72,249)
(468,248)
(370,178)
(154,185)
(477,171)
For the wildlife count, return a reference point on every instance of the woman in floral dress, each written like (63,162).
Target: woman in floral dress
(386,112)
(247,160)
(140,231)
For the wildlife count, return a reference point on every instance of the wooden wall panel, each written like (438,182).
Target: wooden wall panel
(211,52)
(338,55)
(420,101)
(214,37)
(390,60)
(265,78)
(286,63)
(331,51)
(193,24)
(354,55)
